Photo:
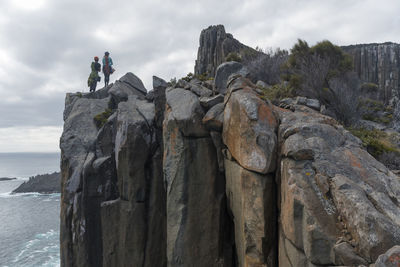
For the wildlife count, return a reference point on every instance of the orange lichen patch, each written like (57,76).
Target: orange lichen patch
(172,140)
(395,258)
(355,162)
(265,114)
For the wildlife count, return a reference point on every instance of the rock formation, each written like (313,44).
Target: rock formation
(215,46)
(43,183)
(379,64)
(179,177)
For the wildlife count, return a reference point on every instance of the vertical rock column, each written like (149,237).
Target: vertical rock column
(86,178)
(194,186)
(249,132)
(134,224)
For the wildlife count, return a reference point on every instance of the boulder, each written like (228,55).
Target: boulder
(186,112)
(390,259)
(224,71)
(200,90)
(134,82)
(249,129)
(209,102)
(332,191)
(214,118)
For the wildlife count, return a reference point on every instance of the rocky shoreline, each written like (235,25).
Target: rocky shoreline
(42,183)
(6,179)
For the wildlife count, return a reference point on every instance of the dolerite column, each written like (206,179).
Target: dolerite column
(194,187)
(249,132)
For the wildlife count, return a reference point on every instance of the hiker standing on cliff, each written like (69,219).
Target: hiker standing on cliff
(107,67)
(94,75)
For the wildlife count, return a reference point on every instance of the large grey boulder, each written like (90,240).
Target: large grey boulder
(214,118)
(249,129)
(128,85)
(186,112)
(133,81)
(224,71)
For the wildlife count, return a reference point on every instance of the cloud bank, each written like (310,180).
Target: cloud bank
(46,47)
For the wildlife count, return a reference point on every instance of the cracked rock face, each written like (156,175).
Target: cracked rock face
(332,191)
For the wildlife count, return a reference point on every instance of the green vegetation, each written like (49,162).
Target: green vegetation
(101,118)
(201,77)
(369,87)
(323,61)
(277,92)
(233,57)
(172,82)
(376,142)
(248,53)
(374,110)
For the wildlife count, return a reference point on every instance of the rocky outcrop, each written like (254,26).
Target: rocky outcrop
(215,45)
(379,64)
(184,178)
(42,183)
(332,192)
(111,176)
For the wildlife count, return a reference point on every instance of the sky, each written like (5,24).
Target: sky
(47,46)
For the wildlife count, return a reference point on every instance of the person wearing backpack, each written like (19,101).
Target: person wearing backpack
(94,74)
(107,67)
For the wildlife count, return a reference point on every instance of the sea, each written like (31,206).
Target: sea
(29,222)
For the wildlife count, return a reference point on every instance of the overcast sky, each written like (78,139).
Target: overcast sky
(46,46)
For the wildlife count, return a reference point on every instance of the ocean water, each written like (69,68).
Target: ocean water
(29,222)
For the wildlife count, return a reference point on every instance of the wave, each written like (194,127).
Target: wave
(43,251)
(30,194)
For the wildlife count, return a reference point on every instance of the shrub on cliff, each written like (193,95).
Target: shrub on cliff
(101,118)
(267,66)
(233,57)
(325,72)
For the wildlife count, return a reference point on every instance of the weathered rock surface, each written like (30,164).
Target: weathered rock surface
(249,129)
(214,118)
(97,181)
(42,183)
(332,191)
(194,188)
(186,112)
(251,199)
(182,179)
(224,71)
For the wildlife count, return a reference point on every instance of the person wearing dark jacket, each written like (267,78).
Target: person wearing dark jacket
(94,75)
(107,67)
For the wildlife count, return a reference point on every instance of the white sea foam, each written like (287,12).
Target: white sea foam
(30,194)
(40,248)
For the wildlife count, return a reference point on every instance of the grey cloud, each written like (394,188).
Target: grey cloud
(51,48)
